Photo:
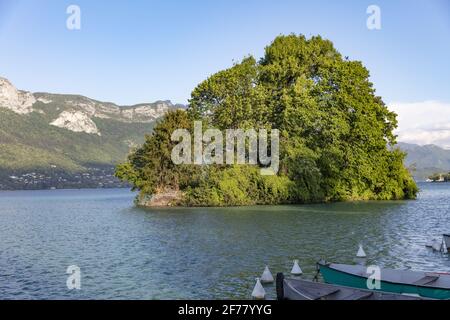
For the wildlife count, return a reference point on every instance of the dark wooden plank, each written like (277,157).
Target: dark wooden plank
(426,280)
(314,290)
(358,295)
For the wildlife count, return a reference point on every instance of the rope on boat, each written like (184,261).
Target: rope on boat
(316,276)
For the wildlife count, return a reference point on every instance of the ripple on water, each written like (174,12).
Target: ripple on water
(179,253)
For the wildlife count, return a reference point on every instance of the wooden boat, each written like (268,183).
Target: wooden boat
(431,285)
(295,289)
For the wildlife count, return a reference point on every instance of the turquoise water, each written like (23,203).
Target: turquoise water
(129,253)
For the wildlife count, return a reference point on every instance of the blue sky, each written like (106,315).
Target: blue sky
(140,51)
(134,51)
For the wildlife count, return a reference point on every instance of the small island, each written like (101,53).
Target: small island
(336,134)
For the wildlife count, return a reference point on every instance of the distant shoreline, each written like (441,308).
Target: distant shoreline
(58,189)
(48,179)
(436,181)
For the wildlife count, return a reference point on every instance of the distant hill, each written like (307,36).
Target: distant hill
(56,133)
(426,160)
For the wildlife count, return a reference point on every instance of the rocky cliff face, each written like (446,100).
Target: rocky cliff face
(78,113)
(18,101)
(76,121)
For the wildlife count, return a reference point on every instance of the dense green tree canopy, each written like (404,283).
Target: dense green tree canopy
(336,135)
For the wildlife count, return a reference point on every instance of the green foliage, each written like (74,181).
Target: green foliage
(20,157)
(150,168)
(28,142)
(335,132)
(238,186)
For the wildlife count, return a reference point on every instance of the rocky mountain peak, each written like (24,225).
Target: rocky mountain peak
(78,113)
(18,101)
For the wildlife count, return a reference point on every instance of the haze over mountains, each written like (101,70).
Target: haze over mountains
(57,140)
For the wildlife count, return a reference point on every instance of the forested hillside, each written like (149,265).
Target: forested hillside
(62,135)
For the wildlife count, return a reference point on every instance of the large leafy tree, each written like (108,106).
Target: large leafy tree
(336,133)
(150,168)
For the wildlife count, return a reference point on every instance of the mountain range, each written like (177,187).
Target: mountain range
(59,134)
(423,161)
(60,140)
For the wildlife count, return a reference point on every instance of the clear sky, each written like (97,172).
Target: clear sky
(139,51)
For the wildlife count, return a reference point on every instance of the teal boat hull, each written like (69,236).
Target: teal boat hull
(337,277)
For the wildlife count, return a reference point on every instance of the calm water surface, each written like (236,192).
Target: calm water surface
(130,253)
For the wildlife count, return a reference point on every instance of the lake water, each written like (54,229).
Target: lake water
(129,253)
